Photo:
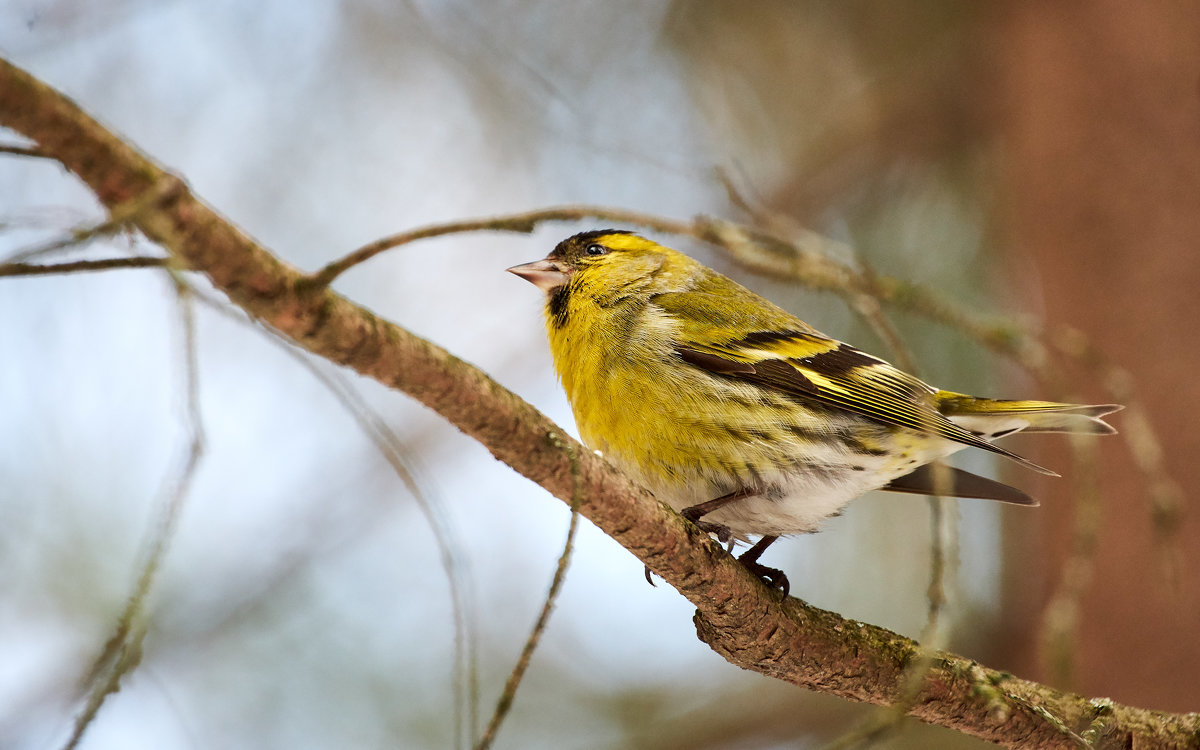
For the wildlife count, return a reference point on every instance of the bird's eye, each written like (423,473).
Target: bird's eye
(596,249)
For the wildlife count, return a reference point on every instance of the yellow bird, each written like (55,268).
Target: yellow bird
(740,415)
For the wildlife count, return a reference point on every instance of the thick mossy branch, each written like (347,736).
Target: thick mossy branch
(736,615)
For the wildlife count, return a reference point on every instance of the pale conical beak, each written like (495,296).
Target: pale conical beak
(545,274)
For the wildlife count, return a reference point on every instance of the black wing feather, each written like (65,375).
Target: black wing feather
(957,483)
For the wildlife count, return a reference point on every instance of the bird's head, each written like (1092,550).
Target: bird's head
(601,263)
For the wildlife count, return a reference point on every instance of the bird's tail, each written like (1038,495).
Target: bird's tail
(994,418)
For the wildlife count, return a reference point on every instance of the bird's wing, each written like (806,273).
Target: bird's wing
(773,349)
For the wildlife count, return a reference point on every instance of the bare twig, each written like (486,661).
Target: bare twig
(123,651)
(1165,494)
(535,636)
(119,218)
(1060,617)
(389,444)
(28,151)
(82,266)
(449,548)
(522,223)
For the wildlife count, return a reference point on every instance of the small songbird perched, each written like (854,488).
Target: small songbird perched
(742,416)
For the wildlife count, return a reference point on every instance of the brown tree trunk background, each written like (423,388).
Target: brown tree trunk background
(1100,116)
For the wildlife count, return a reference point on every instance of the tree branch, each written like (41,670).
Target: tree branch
(735,614)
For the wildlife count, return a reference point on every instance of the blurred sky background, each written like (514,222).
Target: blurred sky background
(302,602)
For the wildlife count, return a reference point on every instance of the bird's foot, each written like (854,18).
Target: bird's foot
(773,577)
(723,533)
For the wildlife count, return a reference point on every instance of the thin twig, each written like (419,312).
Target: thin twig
(523,223)
(1166,496)
(32,152)
(1060,618)
(119,218)
(123,651)
(82,266)
(560,573)
(1060,615)
(389,444)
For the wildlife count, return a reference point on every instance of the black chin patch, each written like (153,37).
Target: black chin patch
(557,304)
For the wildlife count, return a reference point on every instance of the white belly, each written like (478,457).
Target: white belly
(797,500)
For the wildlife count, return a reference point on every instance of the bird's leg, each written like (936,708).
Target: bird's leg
(694,513)
(773,577)
(723,532)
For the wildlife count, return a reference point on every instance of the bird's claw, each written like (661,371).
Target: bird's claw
(773,577)
(720,530)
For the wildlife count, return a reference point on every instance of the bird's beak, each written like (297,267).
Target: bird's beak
(545,274)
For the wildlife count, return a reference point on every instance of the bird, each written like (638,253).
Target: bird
(744,418)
